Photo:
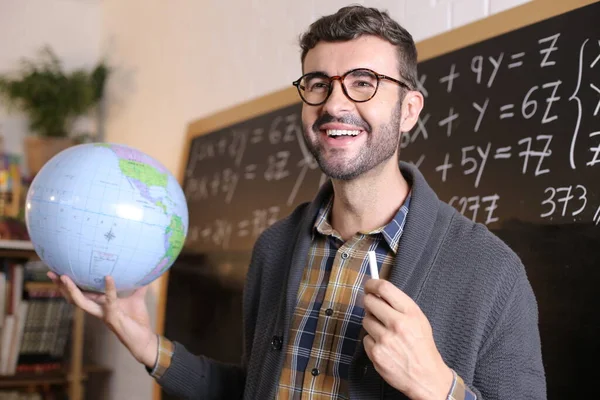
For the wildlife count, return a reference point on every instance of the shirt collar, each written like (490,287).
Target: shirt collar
(391,232)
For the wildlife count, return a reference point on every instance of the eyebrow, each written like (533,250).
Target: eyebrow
(362,71)
(323,73)
(317,73)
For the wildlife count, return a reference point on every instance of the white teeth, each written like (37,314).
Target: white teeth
(340,132)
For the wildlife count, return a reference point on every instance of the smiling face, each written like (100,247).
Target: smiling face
(348,138)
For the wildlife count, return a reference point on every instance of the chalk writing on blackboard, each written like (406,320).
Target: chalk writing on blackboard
(509,131)
(483,138)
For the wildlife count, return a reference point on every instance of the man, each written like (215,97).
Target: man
(453,317)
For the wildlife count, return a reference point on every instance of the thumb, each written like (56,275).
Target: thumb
(111,308)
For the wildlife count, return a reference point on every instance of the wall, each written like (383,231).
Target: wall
(71,27)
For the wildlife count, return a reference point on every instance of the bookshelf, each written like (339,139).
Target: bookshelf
(74,374)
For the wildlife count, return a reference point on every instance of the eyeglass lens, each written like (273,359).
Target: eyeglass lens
(360,85)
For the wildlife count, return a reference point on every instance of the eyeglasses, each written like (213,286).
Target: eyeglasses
(359,85)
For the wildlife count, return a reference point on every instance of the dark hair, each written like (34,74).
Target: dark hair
(354,21)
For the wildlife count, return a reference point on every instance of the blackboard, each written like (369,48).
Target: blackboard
(242,178)
(510,136)
(511,126)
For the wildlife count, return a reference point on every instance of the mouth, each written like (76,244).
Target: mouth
(338,133)
(341,138)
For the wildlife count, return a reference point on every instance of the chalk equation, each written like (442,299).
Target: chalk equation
(508,130)
(276,165)
(221,231)
(532,113)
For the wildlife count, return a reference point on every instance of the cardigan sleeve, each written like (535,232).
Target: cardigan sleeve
(196,377)
(509,365)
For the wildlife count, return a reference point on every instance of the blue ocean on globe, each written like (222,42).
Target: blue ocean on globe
(101,209)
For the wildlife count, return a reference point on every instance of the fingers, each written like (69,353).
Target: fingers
(374,328)
(378,309)
(98,298)
(396,298)
(79,299)
(374,352)
(61,287)
(111,306)
(369,343)
(74,295)
(110,289)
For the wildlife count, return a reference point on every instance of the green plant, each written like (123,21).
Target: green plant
(51,97)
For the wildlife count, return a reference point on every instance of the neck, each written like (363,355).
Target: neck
(369,201)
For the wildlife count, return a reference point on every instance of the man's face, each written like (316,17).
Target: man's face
(371,129)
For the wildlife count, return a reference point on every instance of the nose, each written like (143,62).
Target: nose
(337,103)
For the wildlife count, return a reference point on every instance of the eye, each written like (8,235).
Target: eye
(314,85)
(363,83)
(361,80)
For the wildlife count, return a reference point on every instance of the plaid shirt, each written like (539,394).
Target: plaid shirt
(327,322)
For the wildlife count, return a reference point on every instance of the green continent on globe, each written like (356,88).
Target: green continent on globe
(162,205)
(143,173)
(176,237)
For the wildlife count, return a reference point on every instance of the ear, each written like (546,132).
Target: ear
(411,109)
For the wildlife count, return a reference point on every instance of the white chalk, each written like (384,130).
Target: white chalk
(373,265)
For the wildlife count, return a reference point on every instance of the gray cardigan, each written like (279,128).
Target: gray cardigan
(470,285)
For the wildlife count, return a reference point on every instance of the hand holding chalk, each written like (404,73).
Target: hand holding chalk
(373,265)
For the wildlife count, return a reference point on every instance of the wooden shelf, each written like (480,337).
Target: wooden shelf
(17,248)
(39,285)
(16,245)
(58,377)
(72,376)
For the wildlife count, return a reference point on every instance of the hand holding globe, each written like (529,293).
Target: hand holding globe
(106,219)
(127,317)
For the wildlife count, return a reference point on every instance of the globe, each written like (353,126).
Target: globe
(101,209)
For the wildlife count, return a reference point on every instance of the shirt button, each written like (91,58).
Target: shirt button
(329,312)
(315,372)
(344,255)
(276,343)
